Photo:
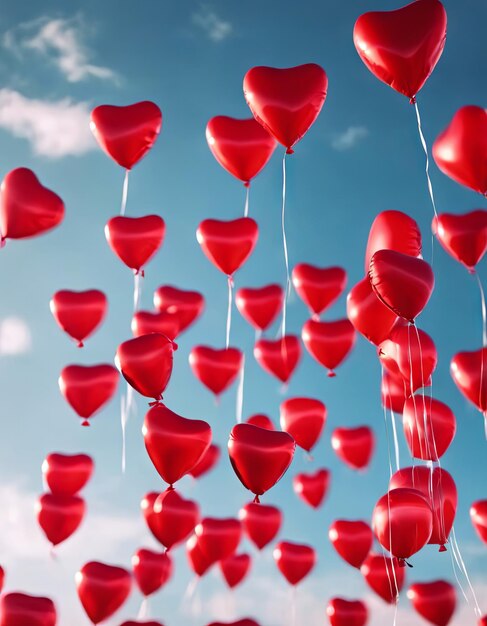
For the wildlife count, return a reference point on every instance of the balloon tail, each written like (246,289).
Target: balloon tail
(127,407)
(125,191)
(240,392)
(425,148)
(394,622)
(258,334)
(229,312)
(484,312)
(293,606)
(284,245)
(247,198)
(463,568)
(138,276)
(387,432)
(144,609)
(396,441)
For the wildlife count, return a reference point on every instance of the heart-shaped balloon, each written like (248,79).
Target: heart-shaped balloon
(429,427)
(261,523)
(242,147)
(304,419)
(147,322)
(463,236)
(102,589)
(66,474)
(312,488)
(402,282)
(393,230)
(394,391)
(460,150)
(175,444)
(147,508)
(369,316)
(262,421)
(79,313)
(347,612)
(126,133)
(207,462)
(467,370)
(352,540)
(235,569)
(172,518)
(198,561)
(59,516)
(259,457)
(478,515)
(19,609)
(27,208)
(216,369)
(354,446)
(329,343)
(87,388)
(135,240)
(435,601)
(278,357)
(295,561)
(384,576)
(152,570)
(260,306)
(228,244)
(286,101)
(402,47)
(318,287)
(146,363)
(218,538)
(187,306)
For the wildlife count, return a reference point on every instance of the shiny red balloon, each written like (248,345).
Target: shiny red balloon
(312,488)
(369,316)
(186,306)
(435,601)
(235,568)
(87,388)
(102,589)
(394,391)
(287,101)
(218,538)
(347,612)
(384,576)
(352,540)
(329,343)
(467,370)
(401,282)
(261,523)
(304,419)
(262,421)
(228,244)
(147,322)
(393,230)
(27,209)
(146,363)
(318,287)
(207,462)
(170,518)
(135,240)
(126,133)
(242,147)
(464,237)
(216,369)
(175,444)
(354,446)
(20,609)
(198,561)
(279,357)
(402,47)
(478,515)
(66,474)
(460,150)
(59,516)
(79,313)
(429,427)
(152,570)
(259,457)
(260,306)
(483,621)
(295,561)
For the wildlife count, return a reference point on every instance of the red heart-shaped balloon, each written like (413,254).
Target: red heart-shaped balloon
(435,601)
(79,313)
(147,508)
(352,540)
(242,147)
(235,569)
(228,244)
(259,457)
(198,561)
(329,343)
(394,391)
(148,322)
(66,474)
(126,133)
(262,421)
(102,589)
(429,427)
(354,446)
(19,609)
(384,576)
(187,306)
(286,101)
(207,462)
(216,369)
(464,237)
(295,561)
(467,370)
(278,357)
(478,515)
(304,419)
(174,444)
(171,518)
(460,150)
(87,388)
(402,47)
(59,516)
(312,488)
(260,306)
(261,523)
(369,316)
(27,208)
(347,612)
(218,538)
(152,570)
(135,240)
(318,287)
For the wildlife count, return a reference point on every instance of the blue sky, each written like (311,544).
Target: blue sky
(362,156)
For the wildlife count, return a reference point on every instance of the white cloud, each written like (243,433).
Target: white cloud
(54,129)
(213,25)
(349,138)
(14,336)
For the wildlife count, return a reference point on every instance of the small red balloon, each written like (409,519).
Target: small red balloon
(66,474)
(467,370)
(329,343)
(278,357)
(198,561)
(152,570)
(352,540)
(429,427)
(135,240)
(304,419)
(218,538)
(235,569)
(216,369)
(295,561)
(261,523)
(79,313)
(59,516)
(187,306)
(393,230)
(260,306)
(262,421)
(347,612)
(369,315)
(228,244)
(318,287)
(207,462)
(354,446)
(20,609)
(384,576)
(464,237)
(148,322)
(478,515)
(171,518)
(312,488)
(102,589)
(435,601)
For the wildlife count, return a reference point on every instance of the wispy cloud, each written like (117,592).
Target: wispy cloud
(215,28)
(14,336)
(53,128)
(349,138)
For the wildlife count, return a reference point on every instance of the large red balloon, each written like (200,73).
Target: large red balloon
(59,516)
(174,444)
(66,474)
(235,568)
(478,515)
(228,244)
(207,462)
(171,518)
(394,391)
(242,147)
(198,561)
(218,538)
(216,369)
(463,236)
(20,609)
(384,576)
(295,561)
(79,313)
(152,570)
(402,47)
(146,363)
(312,488)
(460,151)
(354,446)
(435,601)
(126,133)
(186,306)
(135,240)
(467,370)
(429,427)
(278,357)
(27,208)
(329,343)
(260,457)
(260,306)
(287,101)
(369,316)
(148,322)
(102,589)
(393,230)
(87,388)
(352,540)
(304,419)
(318,287)
(347,612)
(261,523)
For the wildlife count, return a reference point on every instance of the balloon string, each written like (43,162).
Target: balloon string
(247,196)
(229,312)
(484,311)
(293,605)
(137,290)
(396,442)
(395,614)
(240,392)
(425,148)
(127,405)
(462,567)
(425,414)
(284,244)
(411,385)
(144,609)
(125,191)
(387,430)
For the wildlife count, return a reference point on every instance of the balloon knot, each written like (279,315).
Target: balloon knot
(156,402)
(230,280)
(412,322)
(412,100)
(315,317)
(403,563)
(85,423)
(256,500)
(174,346)
(3,242)
(442,548)
(289,151)
(170,488)
(80,344)
(247,184)
(331,374)
(140,272)
(471,271)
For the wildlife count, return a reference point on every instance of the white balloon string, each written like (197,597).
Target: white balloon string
(453,558)
(138,277)
(386,429)
(240,391)
(247,197)
(463,568)
(413,397)
(125,191)
(396,442)
(284,245)
(229,312)
(293,605)
(127,406)
(484,311)
(144,609)
(425,148)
